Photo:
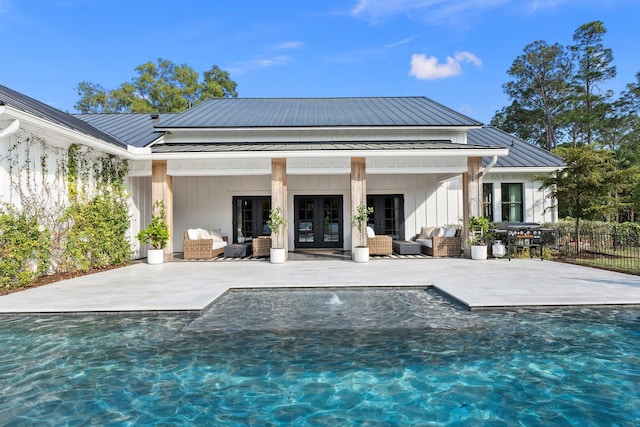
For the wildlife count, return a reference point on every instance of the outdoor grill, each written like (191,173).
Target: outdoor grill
(521,235)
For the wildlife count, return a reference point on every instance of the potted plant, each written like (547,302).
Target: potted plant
(156,233)
(361,253)
(478,227)
(276,223)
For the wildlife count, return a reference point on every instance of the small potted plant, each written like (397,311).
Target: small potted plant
(156,234)
(478,227)
(276,224)
(361,253)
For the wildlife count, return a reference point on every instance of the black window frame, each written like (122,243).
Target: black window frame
(507,204)
(259,216)
(380,222)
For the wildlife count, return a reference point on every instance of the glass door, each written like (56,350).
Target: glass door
(318,221)
(388,214)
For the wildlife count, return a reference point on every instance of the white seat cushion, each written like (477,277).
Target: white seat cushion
(425,242)
(218,245)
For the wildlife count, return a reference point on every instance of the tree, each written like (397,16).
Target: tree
(158,87)
(584,187)
(539,93)
(593,68)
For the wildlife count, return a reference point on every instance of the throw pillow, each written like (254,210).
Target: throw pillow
(192,234)
(450,232)
(202,233)
(438,232)
(216,235)
(425,232)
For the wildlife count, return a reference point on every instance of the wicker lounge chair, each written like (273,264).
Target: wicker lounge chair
(261,246)
(380,245)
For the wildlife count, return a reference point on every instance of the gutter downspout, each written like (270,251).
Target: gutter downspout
(491,164)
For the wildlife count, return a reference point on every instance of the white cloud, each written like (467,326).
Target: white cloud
(429,68)
(431,11)
(290,45)
(253,64)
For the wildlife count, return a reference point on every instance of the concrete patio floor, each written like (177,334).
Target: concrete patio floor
(192,286)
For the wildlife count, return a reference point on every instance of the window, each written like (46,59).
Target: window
(512,202)
(487,201)
(388,214)
(250,216)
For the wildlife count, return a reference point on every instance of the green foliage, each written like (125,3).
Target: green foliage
(478,227)
(156,232)
(584,187)
(275,223)
(361,218)
(96,236)
(25,248)
(158,87)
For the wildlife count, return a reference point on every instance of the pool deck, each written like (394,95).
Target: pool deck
(193,286)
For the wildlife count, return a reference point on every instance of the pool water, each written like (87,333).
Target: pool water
(334,357)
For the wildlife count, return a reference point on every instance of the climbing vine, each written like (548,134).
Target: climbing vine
(76,196)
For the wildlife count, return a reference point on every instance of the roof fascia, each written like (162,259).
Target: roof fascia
(314,128)
(87,140)
(459,152)
(521,169)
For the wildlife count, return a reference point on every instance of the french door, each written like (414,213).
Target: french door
(318,221)
(388,214)
(250,216)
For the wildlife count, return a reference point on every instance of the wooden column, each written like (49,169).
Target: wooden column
(471,194)
(161,189)
(358,197)
(279,199)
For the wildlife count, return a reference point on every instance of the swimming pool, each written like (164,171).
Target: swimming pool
(331,357)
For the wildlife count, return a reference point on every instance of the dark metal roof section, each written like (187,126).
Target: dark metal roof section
(521,153)
(313,146)
(137,130)
(36,108)
(317,112)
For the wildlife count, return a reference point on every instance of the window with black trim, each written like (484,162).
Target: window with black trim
(487,201)
(512,206)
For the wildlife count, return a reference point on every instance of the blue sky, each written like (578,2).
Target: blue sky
(456,52)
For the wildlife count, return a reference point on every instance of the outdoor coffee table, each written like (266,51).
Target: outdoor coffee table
(406,247)
(237,250)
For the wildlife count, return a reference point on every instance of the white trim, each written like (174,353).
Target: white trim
(460,152)
(312,128)
(523,169)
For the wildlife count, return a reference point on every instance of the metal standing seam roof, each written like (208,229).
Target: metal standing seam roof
(521,153)
(39,109)
(136,129)
(318,112)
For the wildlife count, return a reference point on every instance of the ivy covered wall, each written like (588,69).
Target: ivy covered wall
(63,207)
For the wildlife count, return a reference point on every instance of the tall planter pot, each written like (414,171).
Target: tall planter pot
(479,252)
(277,255)
(361,254)
(155,256)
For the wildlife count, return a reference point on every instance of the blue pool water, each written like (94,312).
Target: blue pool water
(334,357)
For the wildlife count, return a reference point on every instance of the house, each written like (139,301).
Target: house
(225,162)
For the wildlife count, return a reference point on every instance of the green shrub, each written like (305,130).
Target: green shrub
(25,249)
(97,233)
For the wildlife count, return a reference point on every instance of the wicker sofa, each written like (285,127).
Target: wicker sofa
(440,241)
(201,248)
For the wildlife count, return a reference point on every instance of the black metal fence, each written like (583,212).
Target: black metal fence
(615,250)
